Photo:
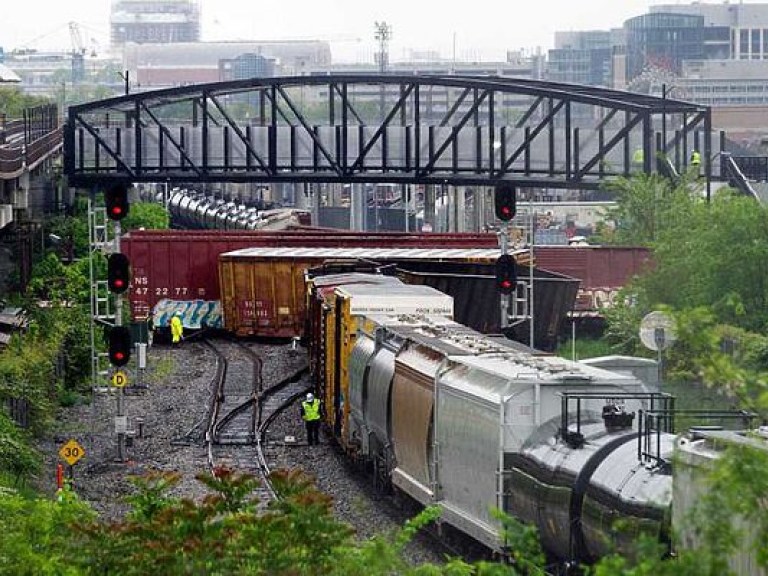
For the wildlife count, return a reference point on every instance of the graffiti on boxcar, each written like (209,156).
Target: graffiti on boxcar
(195,314)
(596,298)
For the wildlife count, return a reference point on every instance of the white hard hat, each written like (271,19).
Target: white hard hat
(310,397)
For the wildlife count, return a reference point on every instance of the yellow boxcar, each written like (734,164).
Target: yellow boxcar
(263,291)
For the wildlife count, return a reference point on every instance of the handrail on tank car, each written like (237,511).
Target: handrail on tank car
(575,439)
(664,420)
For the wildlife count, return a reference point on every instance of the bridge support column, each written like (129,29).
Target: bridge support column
(317,197)
(301,196)
(479,198)
(357,207)
(430,224)
(456,208)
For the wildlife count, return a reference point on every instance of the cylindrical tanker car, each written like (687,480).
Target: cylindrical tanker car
(472,423)
(200,211)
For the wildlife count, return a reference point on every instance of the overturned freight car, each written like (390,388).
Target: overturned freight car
(178,269)
(263,289)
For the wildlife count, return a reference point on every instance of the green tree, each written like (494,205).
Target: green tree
(646,204)
(714,255)
(223,534)
(38,537)
(146,215)
(13,101)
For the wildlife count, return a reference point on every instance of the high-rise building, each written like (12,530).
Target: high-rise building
(581,57)
(663,40)
(156,21)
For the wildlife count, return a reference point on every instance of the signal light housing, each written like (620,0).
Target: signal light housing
(118,273)
(119,345)
(505,201)
(116,199)
(506,274)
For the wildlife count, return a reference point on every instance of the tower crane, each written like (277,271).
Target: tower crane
(78,53)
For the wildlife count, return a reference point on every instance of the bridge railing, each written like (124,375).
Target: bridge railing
(752,167)
(41,147)
(11,159)
(26,141)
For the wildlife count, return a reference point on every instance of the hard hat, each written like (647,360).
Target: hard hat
(310,397)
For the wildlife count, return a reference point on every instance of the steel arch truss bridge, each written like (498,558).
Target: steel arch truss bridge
(383,128)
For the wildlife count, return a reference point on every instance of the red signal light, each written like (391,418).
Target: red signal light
(506,274)
(118,272)
(505,201)
(116,199)
(120,343)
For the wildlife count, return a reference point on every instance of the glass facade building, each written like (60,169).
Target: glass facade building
(663,40)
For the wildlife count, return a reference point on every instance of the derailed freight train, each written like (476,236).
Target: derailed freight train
(473,423)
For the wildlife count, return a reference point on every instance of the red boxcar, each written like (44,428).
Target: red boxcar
(603,270)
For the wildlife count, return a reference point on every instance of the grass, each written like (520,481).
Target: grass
(163,367)
(585,348)
(69,398)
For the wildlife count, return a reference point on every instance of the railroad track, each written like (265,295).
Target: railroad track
(242,408)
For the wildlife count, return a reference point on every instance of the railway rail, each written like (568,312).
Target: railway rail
(241,410)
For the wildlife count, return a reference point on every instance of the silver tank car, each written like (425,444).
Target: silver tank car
(195,210)
(469,423)
(574,494)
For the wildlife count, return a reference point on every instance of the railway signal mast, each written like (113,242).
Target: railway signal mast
(505,208)
(103,293)
(118,280)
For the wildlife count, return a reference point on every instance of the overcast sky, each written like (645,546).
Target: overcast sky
(478,29)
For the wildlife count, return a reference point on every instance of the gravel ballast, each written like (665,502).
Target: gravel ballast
(174,403)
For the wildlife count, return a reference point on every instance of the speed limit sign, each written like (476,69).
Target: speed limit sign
(71,452)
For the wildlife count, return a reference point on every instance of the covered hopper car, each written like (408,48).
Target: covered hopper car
(469,423)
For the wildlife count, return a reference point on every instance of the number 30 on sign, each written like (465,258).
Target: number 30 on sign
(71,452)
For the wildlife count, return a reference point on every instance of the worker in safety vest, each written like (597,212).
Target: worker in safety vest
(638,158)
(310,413)
(177,329)
(695,158)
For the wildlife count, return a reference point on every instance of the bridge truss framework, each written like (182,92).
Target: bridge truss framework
(449,130)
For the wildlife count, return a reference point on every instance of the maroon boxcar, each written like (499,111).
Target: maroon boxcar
(603,270)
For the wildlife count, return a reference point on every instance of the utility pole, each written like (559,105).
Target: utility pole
(126,76)
(382,34)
